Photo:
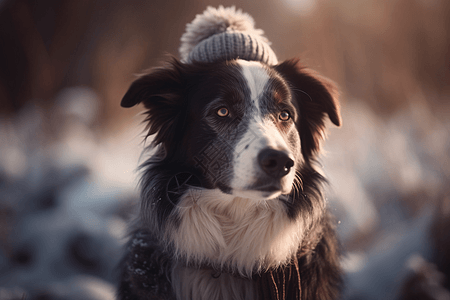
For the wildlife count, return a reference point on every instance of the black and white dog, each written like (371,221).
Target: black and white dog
(231,192)
(232,205)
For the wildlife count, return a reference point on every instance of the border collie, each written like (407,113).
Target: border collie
(231,202)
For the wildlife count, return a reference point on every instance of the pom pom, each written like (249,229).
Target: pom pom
(214,21)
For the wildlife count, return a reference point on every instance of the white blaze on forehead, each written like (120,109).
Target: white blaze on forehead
(257,79)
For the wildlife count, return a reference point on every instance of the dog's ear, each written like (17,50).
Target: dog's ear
(161,92)
(315,97)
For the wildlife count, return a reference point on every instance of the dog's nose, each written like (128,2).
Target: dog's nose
(274,162)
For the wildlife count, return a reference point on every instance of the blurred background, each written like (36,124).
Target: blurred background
(68,151)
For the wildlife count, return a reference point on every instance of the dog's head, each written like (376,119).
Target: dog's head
(242,127)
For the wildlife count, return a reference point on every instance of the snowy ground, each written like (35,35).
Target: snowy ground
(66,196)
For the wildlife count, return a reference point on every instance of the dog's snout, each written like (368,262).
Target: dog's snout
(275,163)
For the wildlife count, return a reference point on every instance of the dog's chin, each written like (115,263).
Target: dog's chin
(261,193)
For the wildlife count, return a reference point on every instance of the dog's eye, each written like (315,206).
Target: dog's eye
(223,112)
(284,116)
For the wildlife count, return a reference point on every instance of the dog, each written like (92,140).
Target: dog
(231,199)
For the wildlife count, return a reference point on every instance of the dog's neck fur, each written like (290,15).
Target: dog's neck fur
(237,234)
(206,284)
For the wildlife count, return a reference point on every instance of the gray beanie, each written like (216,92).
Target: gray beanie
(224,34)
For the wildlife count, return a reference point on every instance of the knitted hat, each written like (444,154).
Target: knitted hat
(224,34)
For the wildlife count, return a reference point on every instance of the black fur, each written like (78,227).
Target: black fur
(176,97)
(145,269)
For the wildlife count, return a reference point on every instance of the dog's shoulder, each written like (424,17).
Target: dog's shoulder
(144,269)
(320,266)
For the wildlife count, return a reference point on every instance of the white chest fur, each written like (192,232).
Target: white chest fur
(234,233)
